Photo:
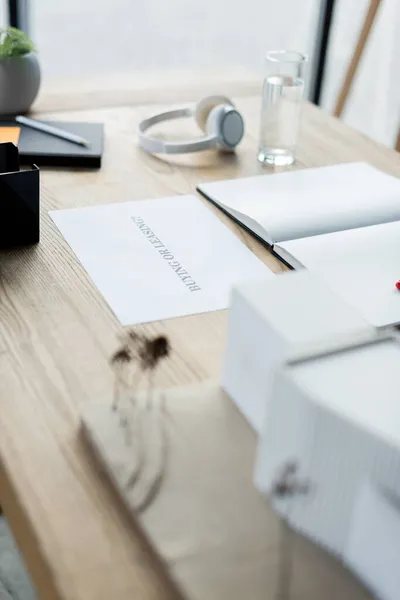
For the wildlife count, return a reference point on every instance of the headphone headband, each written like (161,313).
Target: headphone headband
(216,115)
(154,145)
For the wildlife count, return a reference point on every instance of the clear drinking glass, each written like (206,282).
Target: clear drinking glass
(281,105)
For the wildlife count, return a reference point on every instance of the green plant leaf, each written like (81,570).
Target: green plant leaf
(14,42)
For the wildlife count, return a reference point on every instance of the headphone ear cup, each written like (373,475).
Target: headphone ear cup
(205,106)
(226,125)
(213,125)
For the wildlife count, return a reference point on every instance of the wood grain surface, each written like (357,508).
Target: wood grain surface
(56,334)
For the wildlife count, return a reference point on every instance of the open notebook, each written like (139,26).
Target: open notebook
(342,222)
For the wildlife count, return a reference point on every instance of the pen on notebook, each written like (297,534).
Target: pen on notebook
(60,133)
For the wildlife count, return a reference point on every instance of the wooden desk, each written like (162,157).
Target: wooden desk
(56,335)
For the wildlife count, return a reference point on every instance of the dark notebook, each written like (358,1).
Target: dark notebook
(43,149)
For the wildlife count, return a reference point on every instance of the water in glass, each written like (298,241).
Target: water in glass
(280,114)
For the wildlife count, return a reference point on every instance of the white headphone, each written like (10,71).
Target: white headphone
(217,116)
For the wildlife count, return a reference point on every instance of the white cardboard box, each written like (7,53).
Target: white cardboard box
(271,319)
(337,416)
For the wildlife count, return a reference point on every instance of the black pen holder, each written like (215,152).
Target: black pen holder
(19,201)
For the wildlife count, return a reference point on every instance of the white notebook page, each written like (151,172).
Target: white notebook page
(306,202)
(362,265)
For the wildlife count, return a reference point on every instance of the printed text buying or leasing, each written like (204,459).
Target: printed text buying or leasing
(166,254)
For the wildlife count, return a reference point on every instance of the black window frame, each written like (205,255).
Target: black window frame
(18,14)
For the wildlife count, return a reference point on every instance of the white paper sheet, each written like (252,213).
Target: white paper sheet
(158,259)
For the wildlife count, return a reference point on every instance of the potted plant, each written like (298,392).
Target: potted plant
(19,72)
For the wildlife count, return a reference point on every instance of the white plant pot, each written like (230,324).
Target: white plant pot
(19,83)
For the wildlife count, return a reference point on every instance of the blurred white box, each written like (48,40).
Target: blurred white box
(373,544)
(336,415)
(270,320)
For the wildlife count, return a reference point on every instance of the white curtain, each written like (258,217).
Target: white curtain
(373,104)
